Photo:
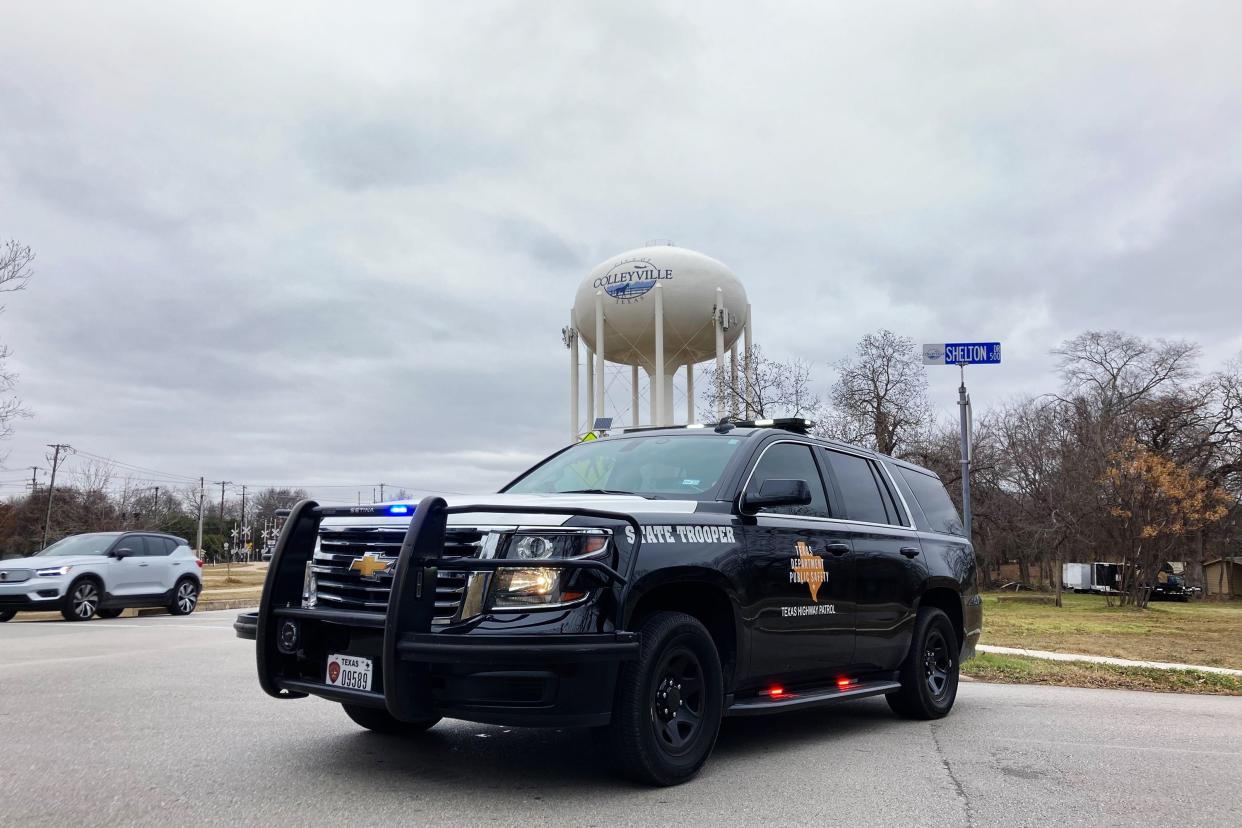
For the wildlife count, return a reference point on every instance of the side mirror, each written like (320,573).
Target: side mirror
(773,493)
(123,552)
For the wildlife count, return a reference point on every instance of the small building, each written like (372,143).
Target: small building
(1223,577)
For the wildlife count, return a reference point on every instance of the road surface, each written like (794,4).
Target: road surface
(159,720)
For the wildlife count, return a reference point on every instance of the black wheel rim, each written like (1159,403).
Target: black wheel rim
(937,664)
(187,597)
(85,600)
(677,701)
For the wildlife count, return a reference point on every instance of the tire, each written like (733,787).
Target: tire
(7,615)
(662,730)
(184,598)
(81,600)
(110,613)
(381,721)
(929,675)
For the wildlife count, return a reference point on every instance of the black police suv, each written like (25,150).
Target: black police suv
(645,585)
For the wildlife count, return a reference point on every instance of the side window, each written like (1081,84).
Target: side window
(791,461)
(133,543)
(159,547)
(170,546)
(934,501)
(860,491)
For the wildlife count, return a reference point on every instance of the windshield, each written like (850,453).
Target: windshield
(682,465)
(93,544)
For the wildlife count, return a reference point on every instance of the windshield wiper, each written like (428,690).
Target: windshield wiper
(607,491)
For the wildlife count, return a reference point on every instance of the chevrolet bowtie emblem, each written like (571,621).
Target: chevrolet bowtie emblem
(368,565)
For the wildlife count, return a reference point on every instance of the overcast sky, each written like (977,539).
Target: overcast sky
(312,244)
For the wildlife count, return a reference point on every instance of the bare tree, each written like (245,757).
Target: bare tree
(881,392)
(775,389)
(15,272)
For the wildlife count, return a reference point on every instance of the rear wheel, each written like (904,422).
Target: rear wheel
(381,721)
(81,601)
(110,613)
(185,597)
(930,672)
(7,615)
(669,702)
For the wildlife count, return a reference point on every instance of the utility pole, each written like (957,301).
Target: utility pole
(57,448)
(202,495)
(34,479)
(241,522)
(223,483)
(157,507)
(381,493)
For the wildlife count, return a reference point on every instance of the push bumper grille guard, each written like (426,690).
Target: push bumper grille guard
(409,647)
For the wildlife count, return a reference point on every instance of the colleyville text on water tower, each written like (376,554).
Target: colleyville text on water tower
(660,308)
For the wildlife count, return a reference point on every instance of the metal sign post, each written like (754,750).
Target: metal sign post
(962,354)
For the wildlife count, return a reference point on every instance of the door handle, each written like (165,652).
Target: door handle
(909,551)
(143,564)
(838,548)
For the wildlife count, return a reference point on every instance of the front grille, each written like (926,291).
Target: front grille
(15,576)
(342,588)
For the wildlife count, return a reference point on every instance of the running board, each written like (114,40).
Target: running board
(812,698)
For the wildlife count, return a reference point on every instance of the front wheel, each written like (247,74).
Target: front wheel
(7,615)
(81,601)
(185,597)
(930,672)
(381,721)
(669,702)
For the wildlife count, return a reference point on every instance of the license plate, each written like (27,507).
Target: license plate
(349,671)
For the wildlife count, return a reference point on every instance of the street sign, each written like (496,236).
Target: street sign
(962,353)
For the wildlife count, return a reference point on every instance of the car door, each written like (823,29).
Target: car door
(179,563)
(127,576)
(159,569)
(799,572)
(889,569)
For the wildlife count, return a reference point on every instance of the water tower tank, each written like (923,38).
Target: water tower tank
(701,303)
(688,281)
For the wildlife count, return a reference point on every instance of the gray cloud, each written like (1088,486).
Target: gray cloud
(317,246)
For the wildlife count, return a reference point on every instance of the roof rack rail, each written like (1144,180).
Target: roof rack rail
(798,425)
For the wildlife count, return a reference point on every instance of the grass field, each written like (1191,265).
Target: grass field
(235,582)
(1018,670)
(1199,632)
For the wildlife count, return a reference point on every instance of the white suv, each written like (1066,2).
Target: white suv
(102,574)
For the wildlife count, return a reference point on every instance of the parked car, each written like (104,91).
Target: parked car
(103,573)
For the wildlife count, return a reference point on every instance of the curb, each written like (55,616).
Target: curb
(1116,662)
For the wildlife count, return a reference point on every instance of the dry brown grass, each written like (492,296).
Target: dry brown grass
(1200,632)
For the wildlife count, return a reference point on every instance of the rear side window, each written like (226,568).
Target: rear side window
(157,547)
(861,494)
(934,501)
(791,461)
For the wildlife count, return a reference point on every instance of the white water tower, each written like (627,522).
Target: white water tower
(660,308)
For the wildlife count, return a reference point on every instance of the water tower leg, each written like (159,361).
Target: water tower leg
(590,396)
(748,362)
(733,380)
(573,380)
(690,393)
(717,319)
(659,355)
(634,394)
(599,356)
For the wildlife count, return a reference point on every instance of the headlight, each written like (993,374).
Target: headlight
(53,570)
(534,545)
(541,586)
(544,586)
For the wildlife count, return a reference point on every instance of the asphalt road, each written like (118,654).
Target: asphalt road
(160,720)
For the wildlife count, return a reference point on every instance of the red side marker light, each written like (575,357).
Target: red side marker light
(843,683)
(776,691)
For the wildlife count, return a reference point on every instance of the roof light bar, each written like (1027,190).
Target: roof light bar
(799,425)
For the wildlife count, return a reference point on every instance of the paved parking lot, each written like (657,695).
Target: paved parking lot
(160,720)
